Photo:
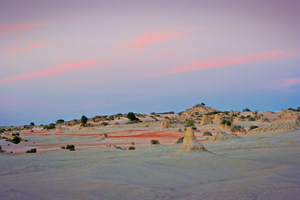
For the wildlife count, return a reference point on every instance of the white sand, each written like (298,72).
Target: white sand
(260,166)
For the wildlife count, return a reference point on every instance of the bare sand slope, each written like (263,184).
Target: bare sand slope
(262,166)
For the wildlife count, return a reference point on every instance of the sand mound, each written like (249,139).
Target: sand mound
(165,123)
(287,111)
(289,124)
(205,120)
(190,142)
(217,119)
(222,136)
(198,110)
(237,119)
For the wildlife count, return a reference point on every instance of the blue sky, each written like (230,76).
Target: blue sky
(63,59)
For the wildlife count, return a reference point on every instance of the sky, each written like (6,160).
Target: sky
(62,59)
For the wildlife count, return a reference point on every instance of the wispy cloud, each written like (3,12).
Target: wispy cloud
(217,62)
(152,37)
(51,72)
(16,28)
(26,48)
(291,81)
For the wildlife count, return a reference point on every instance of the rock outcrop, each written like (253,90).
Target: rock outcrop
(190,142)
(222,136)
(205,120)
(165,123)
(217,119)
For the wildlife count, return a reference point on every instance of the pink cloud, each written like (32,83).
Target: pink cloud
(26,48)
(51,72)
(291,81)
(150,38)
(16,28)
(217,62)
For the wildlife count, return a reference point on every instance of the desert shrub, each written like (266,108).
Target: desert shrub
(237,128)
(207,133)
(132,143)
(180,113)
(50,126)
(189,123)
(83,120)
(246,110)
(225,122)
(251,119)
(131,116)
(13,134)
(31,124)
(180,130)
(31,151)
(104,124)
(25,140)
(180,140)
(16,140)
(243,117)
(59,121)
(131,148)
(62,147)
(266,120)
(133,122)
(111,117)
(252,127)
(154,141)
(71,147)
(171,112)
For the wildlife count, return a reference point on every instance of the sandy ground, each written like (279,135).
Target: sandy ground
(256,166)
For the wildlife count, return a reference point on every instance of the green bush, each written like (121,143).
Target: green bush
(50,126)
(131,148)
(246,110)
(16,140)
(104,124)
(180,140)
(131,116)
(207,133)
(31,151)
(59,121)
(237,128)
(251,119)
(31,124)
(189,123)
(71,147)
(154,142)
(252,127)
(226,122)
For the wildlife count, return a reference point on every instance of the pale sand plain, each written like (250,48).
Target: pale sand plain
(254,166)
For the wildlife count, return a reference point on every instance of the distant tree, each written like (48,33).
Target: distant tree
(83,120)
(246,110)
(31,124)
(131,116)
(60,121)
(202,104)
